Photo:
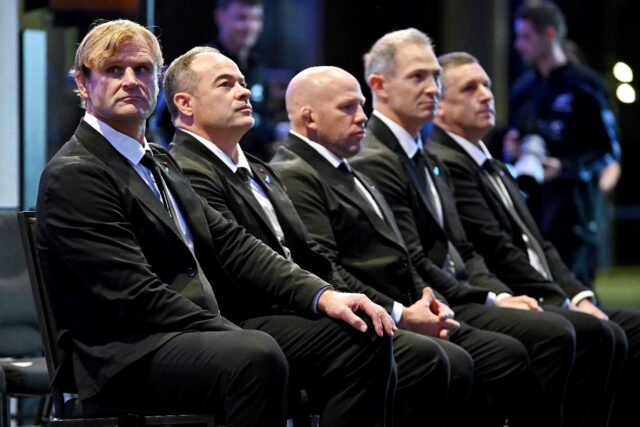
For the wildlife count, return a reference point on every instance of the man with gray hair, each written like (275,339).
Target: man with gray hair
(403,74)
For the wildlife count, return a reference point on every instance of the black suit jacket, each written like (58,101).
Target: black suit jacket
(383,158)
(345,224)
(492,230)
(227,193)
(123,278)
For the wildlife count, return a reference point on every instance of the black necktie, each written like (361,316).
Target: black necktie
(421,165)
(530,241)
(150,163)
(244,175)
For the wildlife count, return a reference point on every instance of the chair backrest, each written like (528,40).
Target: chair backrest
(60,367)
(19,333)
(46,317)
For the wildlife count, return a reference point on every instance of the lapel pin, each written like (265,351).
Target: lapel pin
(436,171)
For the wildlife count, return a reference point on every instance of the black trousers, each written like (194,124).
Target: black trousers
(240,376)
(504,383)
(348,374)
(600,354)
(434,380)
(626,394)
(549,340)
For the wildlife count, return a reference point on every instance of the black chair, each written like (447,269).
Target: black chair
(23,371)
(66,412)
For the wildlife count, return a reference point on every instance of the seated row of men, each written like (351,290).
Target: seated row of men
(205,280)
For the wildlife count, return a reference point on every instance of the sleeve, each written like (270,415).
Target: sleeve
(397,192)
(312,202)
(81,217)
(255,265)
(594,134)
(493,241)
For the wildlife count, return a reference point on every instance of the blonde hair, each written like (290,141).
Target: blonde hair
(103,41)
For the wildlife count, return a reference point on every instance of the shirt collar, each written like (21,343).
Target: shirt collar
(408,144)
(242,159)
(479,153)
(128,147)
(323,151)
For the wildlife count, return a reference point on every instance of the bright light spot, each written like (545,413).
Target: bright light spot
(623,72)
(626,93)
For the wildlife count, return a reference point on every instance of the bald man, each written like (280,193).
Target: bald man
(346,214)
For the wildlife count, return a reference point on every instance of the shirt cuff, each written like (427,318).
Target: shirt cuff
(314,303)
(491,299)
(582,295)
(396,312)
(566,303)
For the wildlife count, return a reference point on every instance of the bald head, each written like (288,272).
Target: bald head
(325,105)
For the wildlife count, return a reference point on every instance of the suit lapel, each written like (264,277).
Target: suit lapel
(345,186)
(98,145)
(387,138)
(207,160)
(443,138)
(285,211)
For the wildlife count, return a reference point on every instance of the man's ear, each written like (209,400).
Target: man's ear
(308,117)
(182,101)
(81,84)
(378,86)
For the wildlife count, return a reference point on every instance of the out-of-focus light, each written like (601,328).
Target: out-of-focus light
(623,72)
(626,93)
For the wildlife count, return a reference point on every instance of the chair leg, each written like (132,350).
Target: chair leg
(5,415)
(43,411)
(4,402)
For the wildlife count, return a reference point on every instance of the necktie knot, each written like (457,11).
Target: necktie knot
(243,173)
(489,167)
(148,160)
(344,167)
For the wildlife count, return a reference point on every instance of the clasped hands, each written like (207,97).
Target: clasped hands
(428,316)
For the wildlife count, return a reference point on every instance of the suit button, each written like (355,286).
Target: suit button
(540,300)
(192,272)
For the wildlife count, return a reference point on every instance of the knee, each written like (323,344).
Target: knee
(259,357)
(557,334)
(515,357)
(462,370)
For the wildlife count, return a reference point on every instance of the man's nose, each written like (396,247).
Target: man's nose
(129,77)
